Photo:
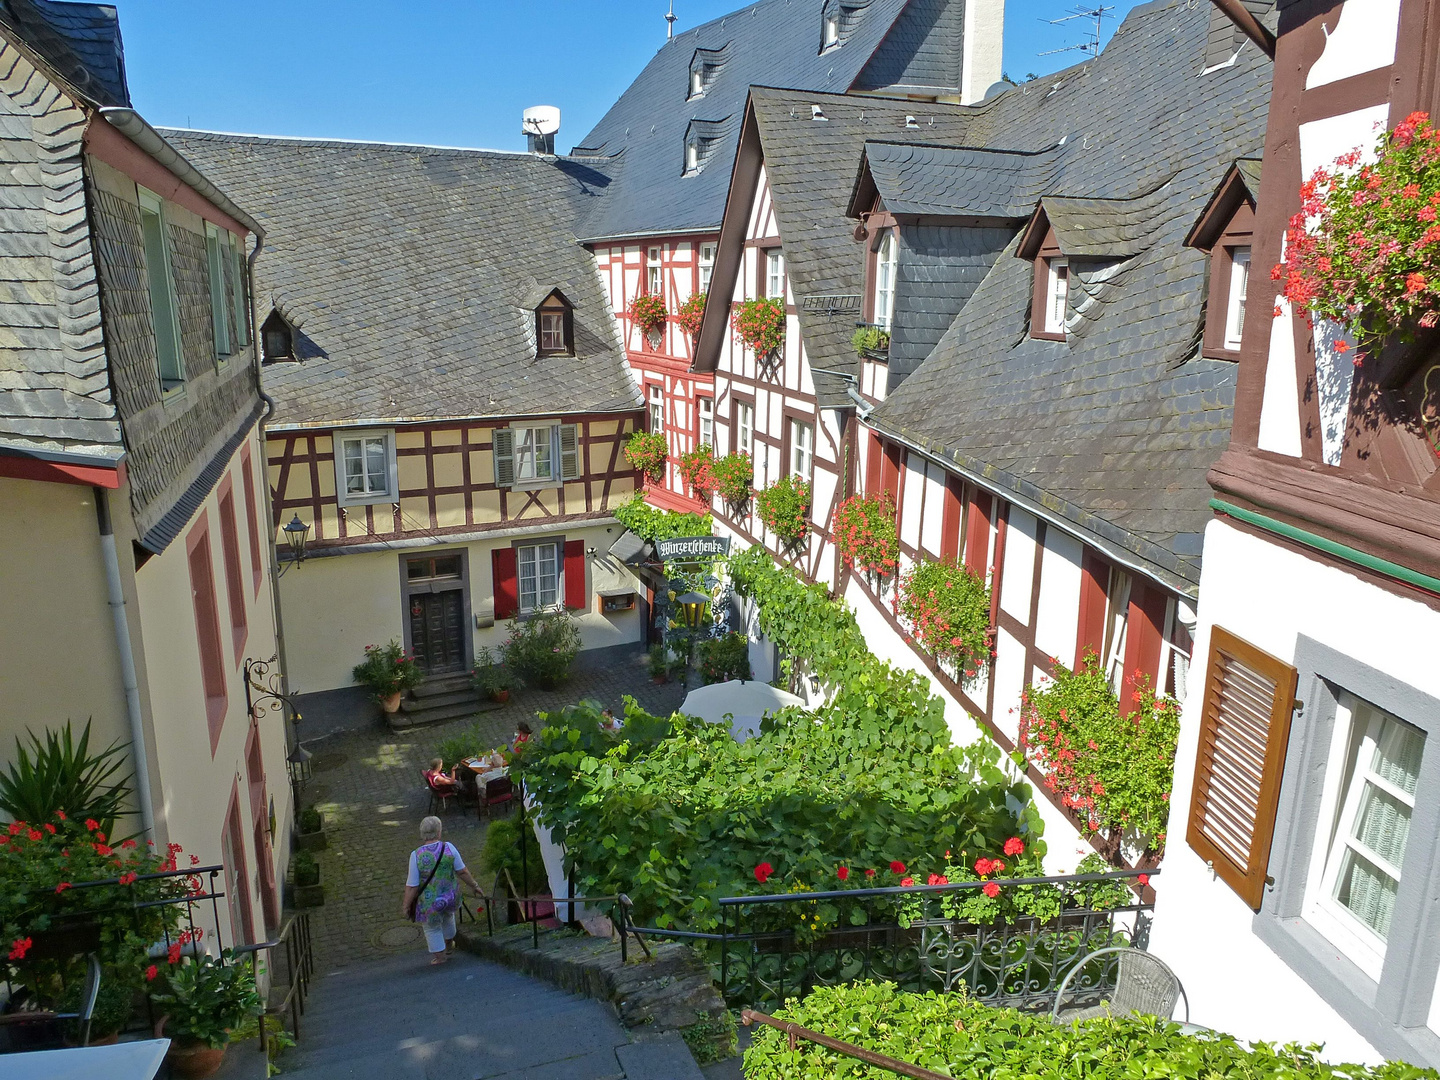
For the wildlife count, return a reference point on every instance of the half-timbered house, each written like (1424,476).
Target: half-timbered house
(1054,440)
(451,396)
(1305,822)
(673,136)
(133,520)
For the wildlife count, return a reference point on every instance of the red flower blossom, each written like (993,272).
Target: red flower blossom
(1414,283)
(151,972)
(937,879)
(984,867)
(128,844)
(50,828)
(1342,346)
(16,827)
(763,872)
(843,873)
(104,849)
(128,879)
(91,824)
(1014,846)
(907,881)
(63,886)
(897,867)
(991,889)
(19,947)
(173,955)
(35,834)
(1143,879)
(869,873)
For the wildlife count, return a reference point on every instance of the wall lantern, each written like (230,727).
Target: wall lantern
(299,762)
(694,605)
(295,535)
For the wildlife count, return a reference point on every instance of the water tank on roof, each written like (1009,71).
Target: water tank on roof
(539,124)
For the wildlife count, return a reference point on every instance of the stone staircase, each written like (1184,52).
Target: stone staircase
(467,1020)
(438,699)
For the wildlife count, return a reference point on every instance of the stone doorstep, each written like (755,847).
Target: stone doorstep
(671,991)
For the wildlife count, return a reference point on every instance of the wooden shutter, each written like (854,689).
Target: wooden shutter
(950,518)
(503,441)
(977,534)
(575,594)
(1144,628)
(1094,583)
(1244,726)
(506,586)
(890,471)
(569,451)
(872,465)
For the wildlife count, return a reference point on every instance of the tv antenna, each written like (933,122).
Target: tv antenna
(1091,47)
(670,18)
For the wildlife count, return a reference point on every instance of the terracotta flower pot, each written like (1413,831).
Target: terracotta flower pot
(188,1059)
(391,704)
(502,696)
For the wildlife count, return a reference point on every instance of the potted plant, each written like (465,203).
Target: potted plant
(648,451)
(305,872)
(691,313)
(492,679)
(310,830)
(114,1004)
(541,648)
(203,1001)
(725,658)
(657,664)
(948,611)
(389,671)
(872,342)
(760,325)
(648,313)
(732,476)
(864,531)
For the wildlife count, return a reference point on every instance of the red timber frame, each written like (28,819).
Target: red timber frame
(292,450)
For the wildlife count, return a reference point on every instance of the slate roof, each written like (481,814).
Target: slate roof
(766,43)
(410,269)
(922,50)
(935,181)
(80,41)
(1115,427)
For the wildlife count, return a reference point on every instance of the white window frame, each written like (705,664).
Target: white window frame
(1351,749)
(830,29)
(775,273)
(216,252)
(657,408)
(1235,301)
(655,272)
(530,441)
(707,266)
(744,427)
(534,554)
(802,449)
(150,203)
(697,80)
(1057,294)
(1117,620)
(706,411)
(555,332)
(886,263)
(343,495)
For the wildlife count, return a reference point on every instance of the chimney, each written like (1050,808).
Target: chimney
(539,123)
(984,42)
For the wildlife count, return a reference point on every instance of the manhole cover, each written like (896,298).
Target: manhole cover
(326,762)
(401,936)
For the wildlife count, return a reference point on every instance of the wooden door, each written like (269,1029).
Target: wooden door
(437,631)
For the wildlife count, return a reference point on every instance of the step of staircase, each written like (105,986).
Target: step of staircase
(437,685)
(663,1058)
(439,701)
(419,715)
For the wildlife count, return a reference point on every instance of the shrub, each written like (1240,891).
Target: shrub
(310,820)
(733,475)
(948,609)
(463,745)
(697,467)
(864,531)
(783,506)
(725,658)
(388,669)
(541,649)
(648,312)
(205,998)
(952,1034)
(691,313)
(870,339)
(490,677)
(502,850)
(61,775)
(657,662)
(651,523)
(760,325)
(114,1003)
(1364,250)
(1115,770)
(304,869)
(648,452)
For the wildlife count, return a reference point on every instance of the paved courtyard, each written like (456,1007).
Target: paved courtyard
(367,783)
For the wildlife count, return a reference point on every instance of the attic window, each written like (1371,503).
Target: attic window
(555,326)
(1057,293)
(830,33)
(1051,294)
(277,339)
(705,65)
(702,138)
(1225,231)
(838,20)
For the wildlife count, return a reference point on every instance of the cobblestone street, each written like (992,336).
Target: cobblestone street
(367,783)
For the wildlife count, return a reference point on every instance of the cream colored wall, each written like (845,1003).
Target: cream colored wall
(193,787)
(58,659)
(335,605)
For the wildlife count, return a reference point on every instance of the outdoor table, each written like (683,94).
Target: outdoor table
(485,773)
(120,1061)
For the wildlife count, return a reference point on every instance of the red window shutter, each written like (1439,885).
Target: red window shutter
(977,534)
(950,521)
(575,595)
(875,454)
(890,471)
(207,630)
(1094,581)
(507,588)
(1144,628)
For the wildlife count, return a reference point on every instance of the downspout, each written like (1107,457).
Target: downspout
(1248,25)
(128,677)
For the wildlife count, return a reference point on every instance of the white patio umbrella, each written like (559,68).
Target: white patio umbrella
(746,702)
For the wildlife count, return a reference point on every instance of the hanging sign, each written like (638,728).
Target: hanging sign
(692,547)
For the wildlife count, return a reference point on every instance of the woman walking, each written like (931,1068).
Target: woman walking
(432,892)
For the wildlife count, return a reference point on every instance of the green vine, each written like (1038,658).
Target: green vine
(651,523)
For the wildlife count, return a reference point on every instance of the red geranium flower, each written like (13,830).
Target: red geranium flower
(104,849)
(174,954)
(843,873)
(35,834)
(763,872)
(991,889)
(1144,879)
(15,827)
(897,867)
(61,815)
(91,824)
(50,828)
(938,879)
(151,972)
(984,866)
(19,947)
(63,886)
(1014,846)
(907,881)
(869,873)
(996,865)
(127,879)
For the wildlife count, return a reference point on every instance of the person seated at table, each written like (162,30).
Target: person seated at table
(522,735)
(438,777)
(610,722)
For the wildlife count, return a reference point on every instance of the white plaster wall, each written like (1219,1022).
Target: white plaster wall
(983,48)
(1361,39)
(1268,595)
(1018,580)
(913,479)
(932,527)
(1009,681)
(1058,618)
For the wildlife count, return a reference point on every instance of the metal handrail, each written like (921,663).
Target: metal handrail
(880,1061)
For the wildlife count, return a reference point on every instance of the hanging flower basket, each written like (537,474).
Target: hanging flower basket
(760,325)
(783,507)
(697,467)
(691,313)
(732,476)
(1364,250)
(648,451)
(947,609)
(864,531)
(648,312)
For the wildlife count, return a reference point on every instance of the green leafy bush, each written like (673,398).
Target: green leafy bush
(948,609)
(725,658)
(1114,770)
(648,451)
(870,339)
(205,998)
(304,868)
(113,1004)
(388,669)
(953,1035)
(310,820)
(503,838)
(541,649)
(62,775)
(760,324)
(490,676)
(651,523)
(733,475)
(783,507)
(864,531)
(462,745)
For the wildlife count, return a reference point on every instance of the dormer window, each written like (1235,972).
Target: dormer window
(701,139)
(838,21)
(1224,230)
(654,272)
(1050,296)
(830,32)
(1235,302)
(277,339)
(705,65)
(555,326)
(886,259)
(1057,292)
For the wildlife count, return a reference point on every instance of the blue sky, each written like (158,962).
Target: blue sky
(447,72)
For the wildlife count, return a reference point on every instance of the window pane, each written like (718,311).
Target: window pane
(541,438)
(885,281)
(1397,755)
(376,472)
(1367,892)
(1059,290)
(527,578)
(417,568)
(354,467)
(447,566)
(525,454)
(1239,285)
(162,308)
(547,578)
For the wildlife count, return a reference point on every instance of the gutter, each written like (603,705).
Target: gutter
(863,408)
(649,234)
(134,127)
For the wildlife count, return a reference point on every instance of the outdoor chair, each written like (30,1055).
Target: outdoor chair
(82,1017)
(1143,984)
(498,792)
(439,794)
